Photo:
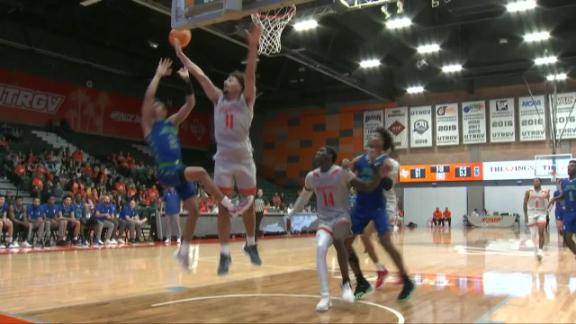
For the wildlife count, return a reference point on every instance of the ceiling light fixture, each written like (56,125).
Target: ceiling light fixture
(427,49)
(536,36)
(87,3)
(415,89)
(452,68)
(370,63)
(398,23)
(545,60)
(524,5)
(557,77)
(304,25)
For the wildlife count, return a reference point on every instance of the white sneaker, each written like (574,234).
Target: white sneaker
(178,242)
(167,242)
(244,204)
(183,258)
(113,242)
(26,245)
(347,294)
(324,304)
(15,244)
(12,245)
(108,242)
(99,242)
(2,246)
(539,255)
(121,241)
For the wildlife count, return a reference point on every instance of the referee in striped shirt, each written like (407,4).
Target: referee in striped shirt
(259,204)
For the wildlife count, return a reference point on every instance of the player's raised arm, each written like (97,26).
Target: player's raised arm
(211,91)
(185,110)
(164,69)
(250,82)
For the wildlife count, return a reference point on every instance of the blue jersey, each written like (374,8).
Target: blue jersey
(365,171)
(50,211)
(164,143)
(172,201)
(4,210)
(34,212)
(67,210)
(128,212)
(78,210)
(569,192)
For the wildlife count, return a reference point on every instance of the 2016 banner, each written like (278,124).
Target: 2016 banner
(33,100)
(502,121)
(474,122)
(532,118)
(565,115)
(421,126)
(372,120)
(397,124)
(447,132)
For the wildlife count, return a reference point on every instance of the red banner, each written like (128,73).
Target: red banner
(32,100)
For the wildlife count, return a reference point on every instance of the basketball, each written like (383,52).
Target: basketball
(182,35)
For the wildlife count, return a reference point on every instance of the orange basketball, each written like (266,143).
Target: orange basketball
(182,35)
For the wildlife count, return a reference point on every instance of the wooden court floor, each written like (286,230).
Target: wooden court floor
(481,275)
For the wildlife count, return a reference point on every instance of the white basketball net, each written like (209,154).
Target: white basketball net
(272,23)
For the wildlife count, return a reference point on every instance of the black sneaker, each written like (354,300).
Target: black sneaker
(224,265)
(252,252)
(406,290)
(362,288)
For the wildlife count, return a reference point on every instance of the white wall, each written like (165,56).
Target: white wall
(509,199)
(420,203)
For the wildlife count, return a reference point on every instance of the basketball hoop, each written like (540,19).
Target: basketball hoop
(272,23)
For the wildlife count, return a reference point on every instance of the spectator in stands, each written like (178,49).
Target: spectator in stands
(437,217)
(10,199)
(6,224)
(104,212)
(276,201)
(81,214)
(259,205)
(282,202)
(447,217)
(131,192)
(69,218)
(139,222)
(51,214)
(17,214)
(36,221)
(58,191)
(128,219)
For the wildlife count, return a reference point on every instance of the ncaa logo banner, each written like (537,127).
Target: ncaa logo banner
(447,131)
(532,118)
(502,126)
(421,126)
(474,122)
(397,124)
(372,120)
(565,115)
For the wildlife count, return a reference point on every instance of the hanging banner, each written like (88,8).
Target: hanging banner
(502,126)
(565,115)
(474,122)
(532,118)
(447,132)
(397,124)
(421,126)
(372,120)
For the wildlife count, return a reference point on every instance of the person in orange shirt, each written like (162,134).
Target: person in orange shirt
(437,217)
(448,217)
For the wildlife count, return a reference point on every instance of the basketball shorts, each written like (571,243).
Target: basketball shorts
(240,173)
(329,226)
(559,213)
(174,177)
(362,216)
(570,221)
(535,219)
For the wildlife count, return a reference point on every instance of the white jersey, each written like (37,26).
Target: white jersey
(390,195)
(232,121)
(331,190)
(537,202)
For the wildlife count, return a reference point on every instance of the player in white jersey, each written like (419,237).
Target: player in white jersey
(330,183)
(391,210)
(535,211)
(234,163)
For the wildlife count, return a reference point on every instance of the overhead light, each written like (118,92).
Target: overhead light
(426,49)
(545,60)
(415,89)
(87,3)
(557,77)
(524,5)
(452,68)
(307,24)
(152,44)
(536,36)
(397,23)
(371,63)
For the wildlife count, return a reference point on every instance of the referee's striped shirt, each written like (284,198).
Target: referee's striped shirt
(259,205)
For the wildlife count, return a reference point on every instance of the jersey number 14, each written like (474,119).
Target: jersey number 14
(229,120)
(328,199)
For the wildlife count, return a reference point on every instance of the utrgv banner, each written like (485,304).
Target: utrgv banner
(33,100)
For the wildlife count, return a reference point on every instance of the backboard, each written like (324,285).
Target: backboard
(187,14)
(552,166)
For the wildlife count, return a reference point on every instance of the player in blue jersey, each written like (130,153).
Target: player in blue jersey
(161,133)
(371,207)
(559,210)
(568,195)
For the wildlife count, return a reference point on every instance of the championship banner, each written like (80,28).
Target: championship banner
(565,115)
(372,120)
(397,124)
(532,118)
(451,172)
(421,126)
(474,122)
(447,132)
(33,100)
(502,126)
